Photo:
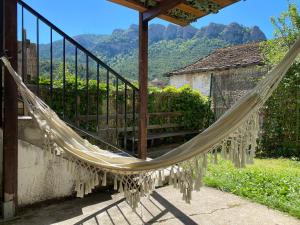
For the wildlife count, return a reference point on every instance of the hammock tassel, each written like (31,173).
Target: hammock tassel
(96,179)
(116,183)
(160,182)
(104,180)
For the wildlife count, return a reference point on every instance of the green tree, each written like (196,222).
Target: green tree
(281,123)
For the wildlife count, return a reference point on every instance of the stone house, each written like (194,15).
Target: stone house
(30,60)
(224,75)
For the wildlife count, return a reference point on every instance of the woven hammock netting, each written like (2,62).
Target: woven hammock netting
(234,134)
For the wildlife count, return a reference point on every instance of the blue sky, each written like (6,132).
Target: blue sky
(101,17)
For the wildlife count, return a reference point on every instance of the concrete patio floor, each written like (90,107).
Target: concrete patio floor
(208,207)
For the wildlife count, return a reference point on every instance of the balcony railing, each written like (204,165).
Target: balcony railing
(75,82)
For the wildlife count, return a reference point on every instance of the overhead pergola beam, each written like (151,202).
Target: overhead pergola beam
(162,8)
(141,8)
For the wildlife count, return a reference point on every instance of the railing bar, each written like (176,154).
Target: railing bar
(38,55)
(76,86)
(98,74)
(117,95)
(72,41)
(51,67)
(125,117)
(23,44)
(107,99)
(133,120)
(87,87)
(64,77)
(1,93)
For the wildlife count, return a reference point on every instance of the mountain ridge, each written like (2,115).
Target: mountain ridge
(170,47)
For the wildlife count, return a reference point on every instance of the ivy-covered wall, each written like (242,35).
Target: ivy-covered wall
(194,108)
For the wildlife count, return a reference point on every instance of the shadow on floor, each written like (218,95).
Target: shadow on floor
(156,210)
(48,213)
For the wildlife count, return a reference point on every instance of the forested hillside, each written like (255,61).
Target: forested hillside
(170,47)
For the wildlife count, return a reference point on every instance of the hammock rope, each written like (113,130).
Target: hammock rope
(234,134)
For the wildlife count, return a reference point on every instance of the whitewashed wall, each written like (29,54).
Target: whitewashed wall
(40,176)
(197,81)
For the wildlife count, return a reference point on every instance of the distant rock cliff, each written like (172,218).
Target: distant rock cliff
(170,46)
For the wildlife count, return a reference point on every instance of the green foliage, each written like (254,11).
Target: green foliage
(281,136)
(286,31)
(194,106)
(166,56)
(272,182)
(281,119)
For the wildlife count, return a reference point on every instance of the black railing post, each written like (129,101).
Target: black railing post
(125,117)
(10,128)
(23,44)
(117,113)
(51,67)
(76,87)
(87,91)
(97,100)
(64,78)
(38,55)
(107,99)
(133,121)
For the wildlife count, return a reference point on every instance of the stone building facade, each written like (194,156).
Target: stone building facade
(30,60)
(225,75)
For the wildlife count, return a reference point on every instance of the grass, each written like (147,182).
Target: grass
(271,182)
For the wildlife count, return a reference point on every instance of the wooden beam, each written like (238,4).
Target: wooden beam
(130,4)
(1,70)
(143,86)
(182,6)
(224,3)
(10,126)
(139,7)
(173,20)
(189,9)
(162,8)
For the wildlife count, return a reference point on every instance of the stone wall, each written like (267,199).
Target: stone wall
(230,85)
(227,85)
(30,60)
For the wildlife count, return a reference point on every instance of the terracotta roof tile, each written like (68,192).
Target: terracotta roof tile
(225,58)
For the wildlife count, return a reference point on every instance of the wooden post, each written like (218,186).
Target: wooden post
(1,68)
(143,86)
(10,126)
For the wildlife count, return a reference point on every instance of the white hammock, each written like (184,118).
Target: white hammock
(235,133)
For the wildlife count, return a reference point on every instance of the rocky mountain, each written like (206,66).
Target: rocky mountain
(170,47)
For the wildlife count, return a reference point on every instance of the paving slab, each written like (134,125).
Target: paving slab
(164,206)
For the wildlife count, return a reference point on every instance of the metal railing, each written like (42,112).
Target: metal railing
(113,94)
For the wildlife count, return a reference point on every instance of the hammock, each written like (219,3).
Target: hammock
(234,135)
